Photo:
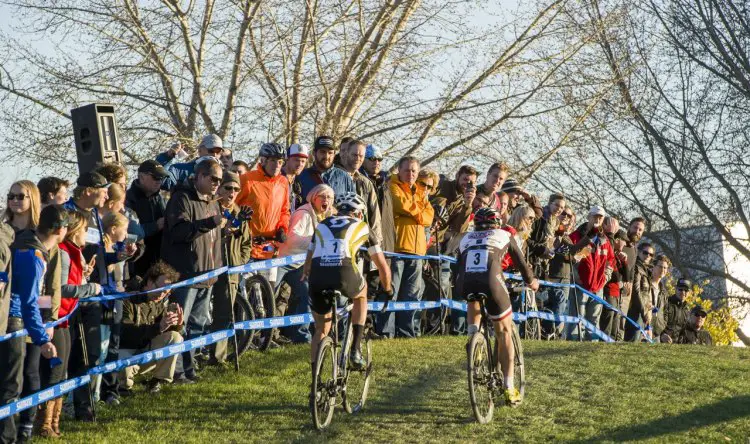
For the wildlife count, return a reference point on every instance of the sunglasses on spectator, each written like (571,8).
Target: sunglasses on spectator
(215,179)
(566,214)
(228,188)
(700,315)
(425,185)
(18,197)
(647,253)
(216,150)
(377,159)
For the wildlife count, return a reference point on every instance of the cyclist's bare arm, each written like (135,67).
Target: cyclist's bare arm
(384,272)
(308,265)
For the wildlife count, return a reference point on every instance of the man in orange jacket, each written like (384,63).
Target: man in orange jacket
(412,215)
(266,191)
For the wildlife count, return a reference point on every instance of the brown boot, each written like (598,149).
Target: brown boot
(48,413)
(56,416)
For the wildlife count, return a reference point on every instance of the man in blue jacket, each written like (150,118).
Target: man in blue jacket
(30,253)
(211,145)
(323,171)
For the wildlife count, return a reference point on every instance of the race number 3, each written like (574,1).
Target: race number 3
(476,261)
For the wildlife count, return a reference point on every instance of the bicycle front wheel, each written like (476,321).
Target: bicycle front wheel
(358,381)
(480,378)
(323,392)
(243,311)
(261,296)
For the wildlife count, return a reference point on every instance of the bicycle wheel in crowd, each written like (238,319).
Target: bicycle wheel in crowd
(243,311)
(532,327)
(357,382)
(480,378)
(261,297)
(323,391)
(519,368)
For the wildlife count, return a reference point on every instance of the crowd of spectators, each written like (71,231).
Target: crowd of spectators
(182,217)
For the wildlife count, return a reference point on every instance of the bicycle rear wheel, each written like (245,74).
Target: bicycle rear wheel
(243,311)
(480,378)
(323,392)
(519,367)
(261,296)
(358,381)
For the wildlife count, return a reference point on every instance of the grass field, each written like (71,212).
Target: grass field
(575,392)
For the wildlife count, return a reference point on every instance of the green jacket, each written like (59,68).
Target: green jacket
(141,316)
(239,245)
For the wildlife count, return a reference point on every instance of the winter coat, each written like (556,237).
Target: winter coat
(190,242)
(73,287)
(412,212)
(29,266)
(239,244)
(592,268)
(335,177)
(269,199)
(141,318)
(149,209)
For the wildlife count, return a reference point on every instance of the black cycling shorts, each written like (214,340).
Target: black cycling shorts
(344,279)
(497,304)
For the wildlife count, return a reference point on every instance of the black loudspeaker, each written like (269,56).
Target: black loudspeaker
(95,130)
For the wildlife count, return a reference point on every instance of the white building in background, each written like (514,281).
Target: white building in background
(708,249)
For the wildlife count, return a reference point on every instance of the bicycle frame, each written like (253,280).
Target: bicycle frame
(486,323)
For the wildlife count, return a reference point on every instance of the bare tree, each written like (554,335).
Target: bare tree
(414,76)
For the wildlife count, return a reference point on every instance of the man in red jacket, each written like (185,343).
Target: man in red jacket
(596,260)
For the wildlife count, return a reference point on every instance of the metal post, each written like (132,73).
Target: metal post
(578,314)
(231,311)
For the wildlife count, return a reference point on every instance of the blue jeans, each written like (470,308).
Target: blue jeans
(589,309)
(406,278)
(299,334)
(195,303)
(556,300)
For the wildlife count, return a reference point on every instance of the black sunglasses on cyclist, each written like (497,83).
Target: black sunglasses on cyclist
(19,197)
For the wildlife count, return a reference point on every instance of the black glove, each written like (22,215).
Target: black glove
(384,296)
(281,235)
(245,214)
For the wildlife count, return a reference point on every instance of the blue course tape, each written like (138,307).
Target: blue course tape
(267,264)
(43,396)
(161,353)
(186,283)
(260,324)
(24,332)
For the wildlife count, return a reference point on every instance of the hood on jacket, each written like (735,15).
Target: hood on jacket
(28,240)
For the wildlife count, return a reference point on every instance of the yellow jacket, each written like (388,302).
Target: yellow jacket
(412,212)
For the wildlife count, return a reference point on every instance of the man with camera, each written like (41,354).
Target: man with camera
(457,197)
(150,323)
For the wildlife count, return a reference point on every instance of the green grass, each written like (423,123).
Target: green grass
(575,392)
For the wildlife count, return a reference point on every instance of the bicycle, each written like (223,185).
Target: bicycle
(256,299)
(332,375)
(524,301)
(485,380)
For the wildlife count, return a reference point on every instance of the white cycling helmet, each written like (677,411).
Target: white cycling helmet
(350,202)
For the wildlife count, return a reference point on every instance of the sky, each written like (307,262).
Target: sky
(10,26)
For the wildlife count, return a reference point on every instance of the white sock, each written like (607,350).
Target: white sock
(471,329)
(508,383)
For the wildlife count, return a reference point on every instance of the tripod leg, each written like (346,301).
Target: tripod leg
(85,352)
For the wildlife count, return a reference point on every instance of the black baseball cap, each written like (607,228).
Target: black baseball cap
(92,179)
(153,168)
(324,142)
(684,283)
(699,310)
